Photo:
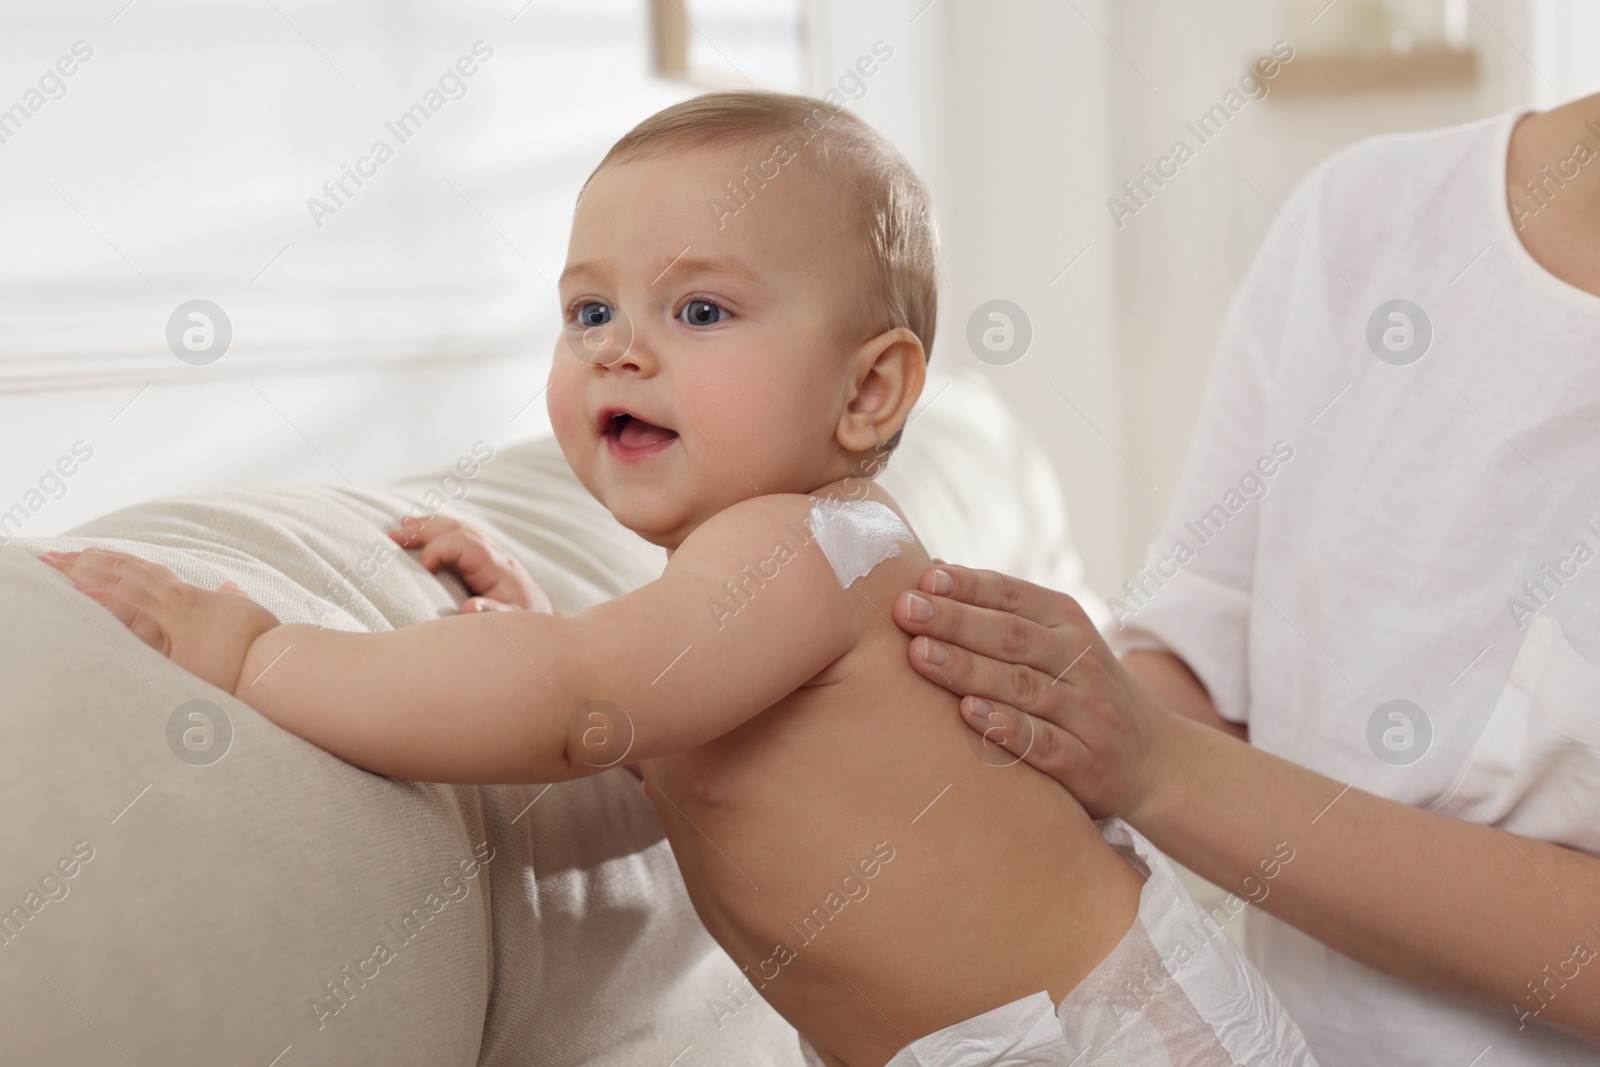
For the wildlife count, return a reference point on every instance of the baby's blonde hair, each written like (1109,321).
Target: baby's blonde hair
(900,256)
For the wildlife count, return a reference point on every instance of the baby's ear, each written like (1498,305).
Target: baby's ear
(886,376)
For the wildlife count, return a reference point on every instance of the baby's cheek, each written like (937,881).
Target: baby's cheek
(577,445)
(748,424)
(565,402)
(780,416)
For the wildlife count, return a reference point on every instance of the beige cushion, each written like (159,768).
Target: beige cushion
(229,895)
(222,899)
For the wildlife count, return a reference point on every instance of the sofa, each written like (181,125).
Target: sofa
(183,882)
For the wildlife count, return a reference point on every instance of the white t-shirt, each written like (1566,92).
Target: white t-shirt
(1386,505)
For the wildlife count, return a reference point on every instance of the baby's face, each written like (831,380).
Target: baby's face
(699,365)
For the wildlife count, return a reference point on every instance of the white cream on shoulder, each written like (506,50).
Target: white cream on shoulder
(856,535)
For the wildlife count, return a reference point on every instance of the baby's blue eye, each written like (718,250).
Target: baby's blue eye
(700,313)
(594,314)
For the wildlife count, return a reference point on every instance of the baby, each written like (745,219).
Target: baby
(749,301)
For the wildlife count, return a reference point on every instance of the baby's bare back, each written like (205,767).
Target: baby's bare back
(875,868)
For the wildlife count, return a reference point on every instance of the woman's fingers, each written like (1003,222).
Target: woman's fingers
(1002,592)
(1002,734)
(1005,735)
(993,632)
(1038,683)
(964,672)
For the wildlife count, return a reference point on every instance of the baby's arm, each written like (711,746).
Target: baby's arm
(524,697)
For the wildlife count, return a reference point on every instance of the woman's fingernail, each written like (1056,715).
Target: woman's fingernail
(982,709)
(918,609)
(50,557)
(934,651)
(943,584)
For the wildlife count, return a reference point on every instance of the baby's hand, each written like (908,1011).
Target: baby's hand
(500,582)
(206,633)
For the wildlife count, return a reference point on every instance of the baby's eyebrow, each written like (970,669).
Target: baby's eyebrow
(686,264)
(683,264)
(579,270)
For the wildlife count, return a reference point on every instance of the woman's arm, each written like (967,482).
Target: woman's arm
(1465,909)
(1170,681)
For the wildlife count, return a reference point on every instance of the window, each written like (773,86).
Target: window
(730,44)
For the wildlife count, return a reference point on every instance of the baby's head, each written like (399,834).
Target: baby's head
(752,280)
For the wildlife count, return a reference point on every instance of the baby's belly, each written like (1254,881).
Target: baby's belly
(853,832)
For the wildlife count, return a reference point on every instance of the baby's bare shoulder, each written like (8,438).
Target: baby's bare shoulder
(764,553)
(807,556)
(755,525)
(867,540)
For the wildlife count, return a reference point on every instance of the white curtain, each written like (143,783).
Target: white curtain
(184,157)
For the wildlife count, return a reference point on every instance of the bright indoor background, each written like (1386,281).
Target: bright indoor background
(177,161)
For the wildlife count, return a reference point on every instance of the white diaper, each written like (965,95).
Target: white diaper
(1175,992)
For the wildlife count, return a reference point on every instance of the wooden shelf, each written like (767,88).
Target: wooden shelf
(1314,74)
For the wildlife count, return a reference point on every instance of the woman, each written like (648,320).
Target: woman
(1368,638)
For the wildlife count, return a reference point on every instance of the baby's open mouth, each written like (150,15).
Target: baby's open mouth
(633,434)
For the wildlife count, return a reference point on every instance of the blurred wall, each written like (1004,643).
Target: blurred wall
(374,336)
(1180,258)
(1048,107)
(1001,107)
(385,337)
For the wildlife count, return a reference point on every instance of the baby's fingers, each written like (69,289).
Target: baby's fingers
(116,571)
(102,585)
(91,567)
(468,553)
(129,587)
(485,603)
(141,622)
(416,531)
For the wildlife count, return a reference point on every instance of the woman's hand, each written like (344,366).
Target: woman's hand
(1384,883)
(206,633)
(499,580)
(1036,678)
